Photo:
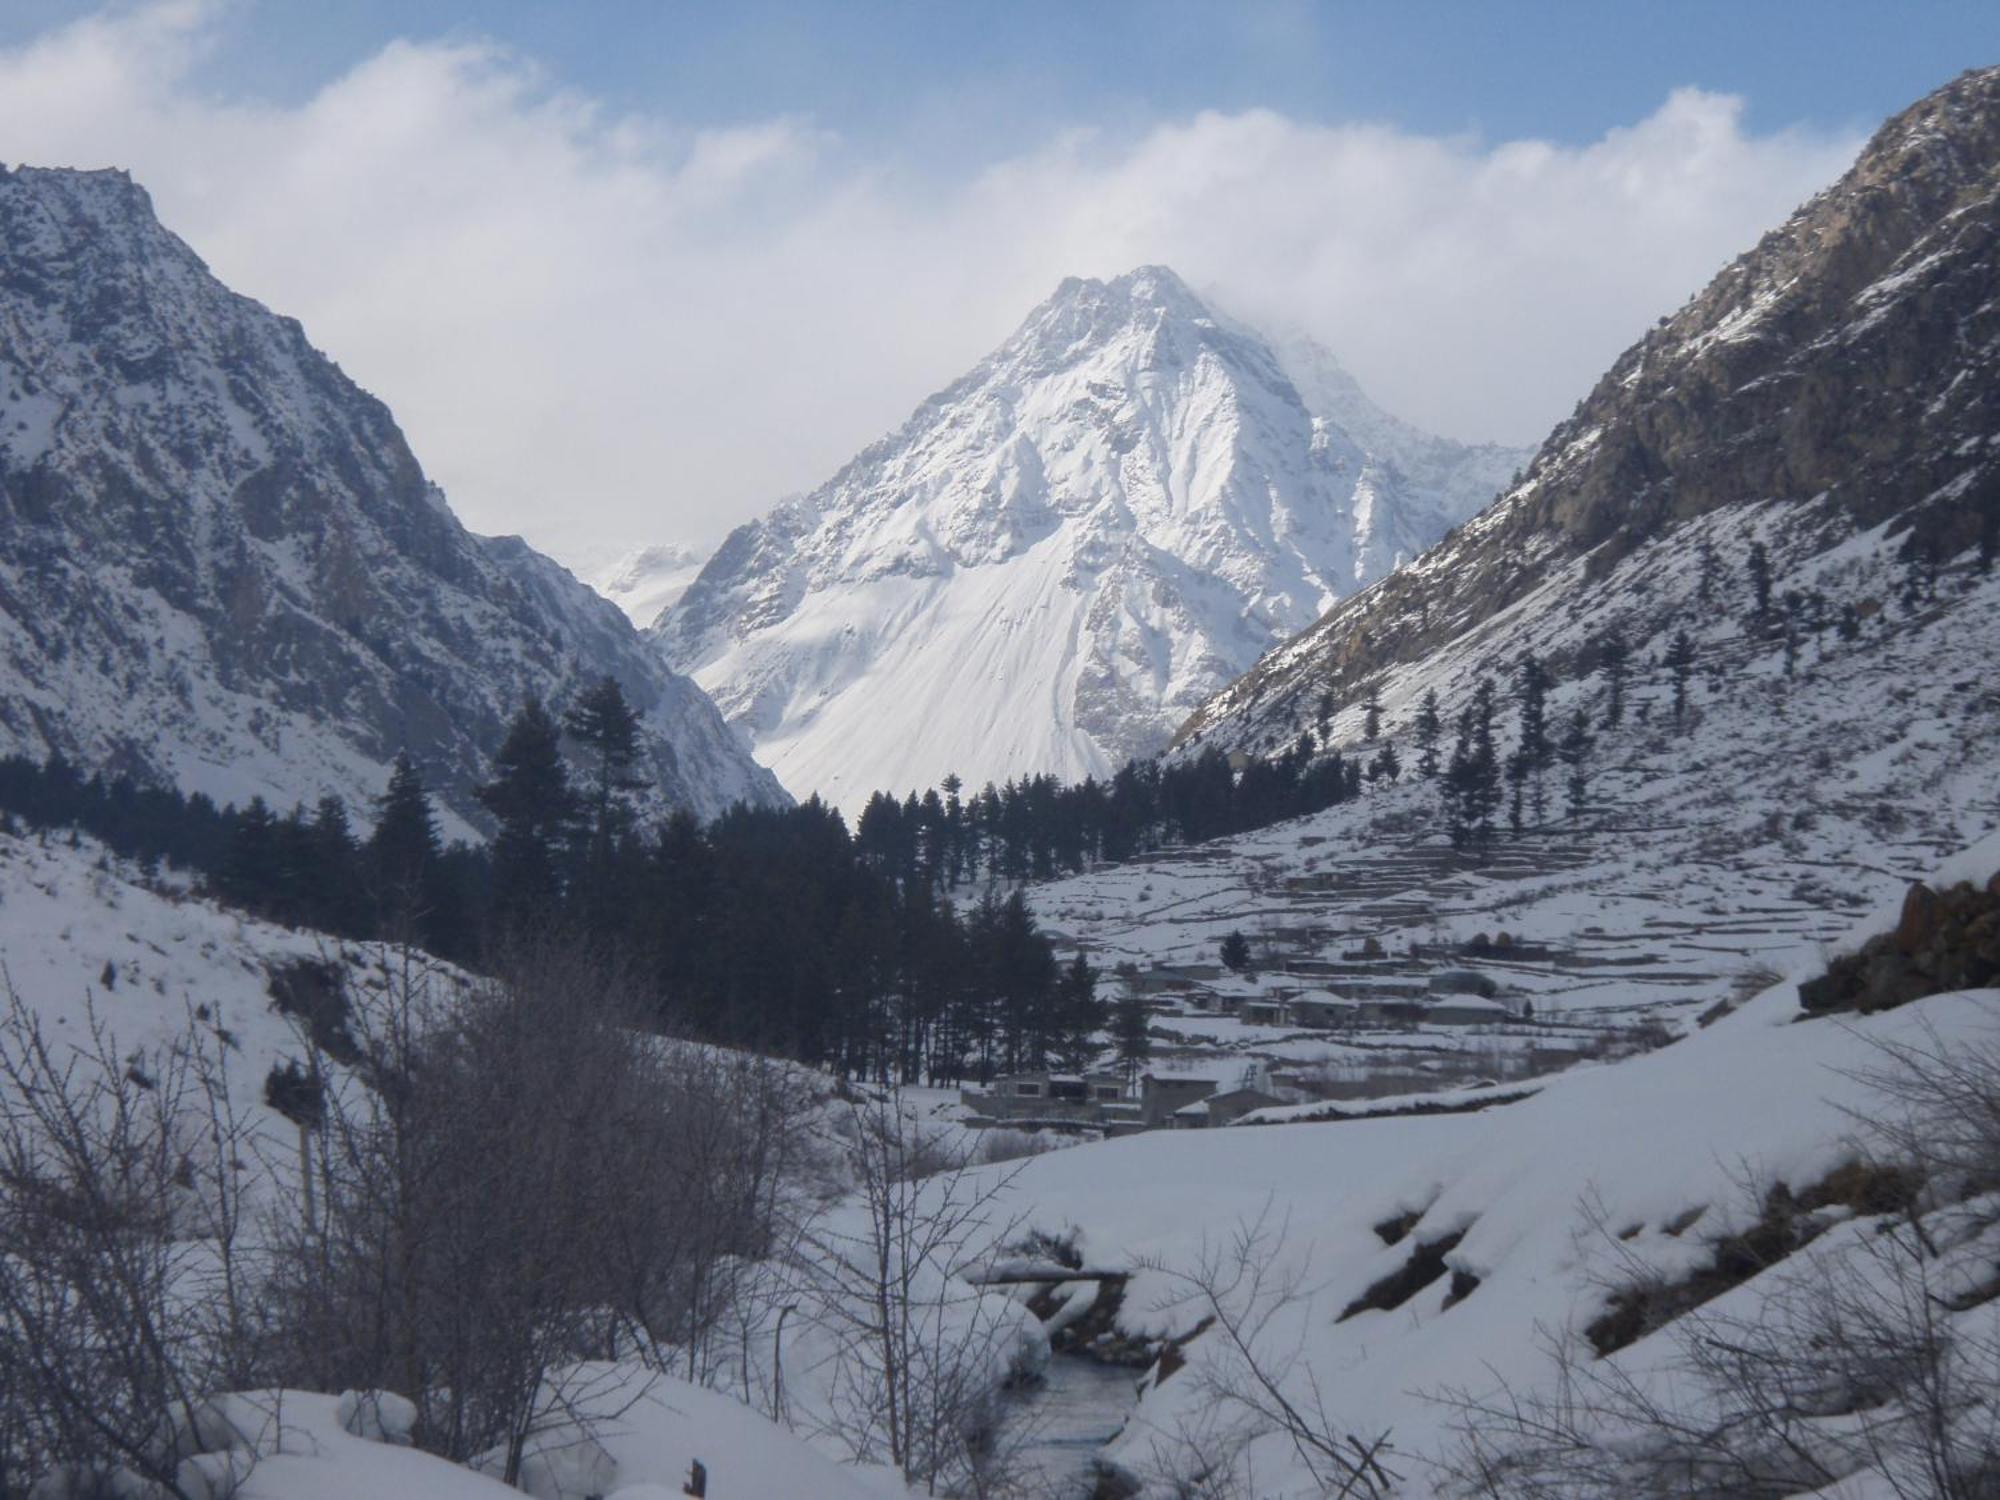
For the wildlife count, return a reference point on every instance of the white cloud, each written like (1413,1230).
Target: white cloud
(599,330)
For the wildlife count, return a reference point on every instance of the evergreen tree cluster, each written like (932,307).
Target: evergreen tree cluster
(304,868)
(1037,828)
(768,927)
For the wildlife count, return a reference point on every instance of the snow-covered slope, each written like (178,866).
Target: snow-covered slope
(220,564)
(87,940)
(1611,1177)
(649,581)
(1746,836)
(83,936)
(1060,555)
(646,1431)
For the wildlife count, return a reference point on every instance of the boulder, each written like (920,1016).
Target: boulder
(1890,979)
(1942,941)
(1826,991)
(1919,922)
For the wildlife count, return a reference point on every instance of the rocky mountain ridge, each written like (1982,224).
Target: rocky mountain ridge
(1841,377)
(221,565)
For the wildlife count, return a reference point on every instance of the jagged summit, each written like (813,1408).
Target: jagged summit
(1084,312)
(1055,557)
(221,565)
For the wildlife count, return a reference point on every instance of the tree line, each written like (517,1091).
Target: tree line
(769,928)
(1036,827)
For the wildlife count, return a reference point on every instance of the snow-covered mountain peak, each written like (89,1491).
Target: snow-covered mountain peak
(1083,314)
(647,580)
(1117,510)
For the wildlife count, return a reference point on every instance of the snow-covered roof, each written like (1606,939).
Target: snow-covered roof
(1471,1002)
(1235,984)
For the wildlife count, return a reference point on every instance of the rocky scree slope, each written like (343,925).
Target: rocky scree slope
(221,566)
(1059,556)
(1841,376)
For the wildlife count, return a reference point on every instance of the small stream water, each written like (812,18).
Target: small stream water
(1059,1425)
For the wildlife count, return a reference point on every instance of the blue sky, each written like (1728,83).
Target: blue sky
(945,80)
(629,272)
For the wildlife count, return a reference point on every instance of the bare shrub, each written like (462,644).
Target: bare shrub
(1252,1375)
(125,1291)
(718,1158)
(919,1356)
(1851,1359)
(511,1181)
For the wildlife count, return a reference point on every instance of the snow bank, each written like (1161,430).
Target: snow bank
(625,1433)
(1606,1174)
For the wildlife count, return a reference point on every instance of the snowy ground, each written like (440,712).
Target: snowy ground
(1608,1174)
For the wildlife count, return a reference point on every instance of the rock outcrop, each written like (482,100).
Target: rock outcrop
(1944,941)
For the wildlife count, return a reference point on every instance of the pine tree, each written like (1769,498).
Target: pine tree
(1615,659)
(605,885)
(1816,619)
(1759,568)
(404,850)
(1429,729)
(530,798)
(954,829)
(1454,794)
(1707,569)
(1575,749)
(1848,627)
(607,727)
(253,872)
(1236,952)
(1386,766)
(1083,1015)
(1371,717)
(333,887)
(1485,763)
(1680,661)
(1534,750)
(1134,1044)
(1471,791)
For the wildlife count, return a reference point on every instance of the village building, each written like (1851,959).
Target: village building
(1323,1010)
(1225,1108)
(1225,996)
(1092,1099)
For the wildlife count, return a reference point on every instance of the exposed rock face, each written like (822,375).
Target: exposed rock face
(1944,941)
(221,566)
(1848,368)
(1062,554)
